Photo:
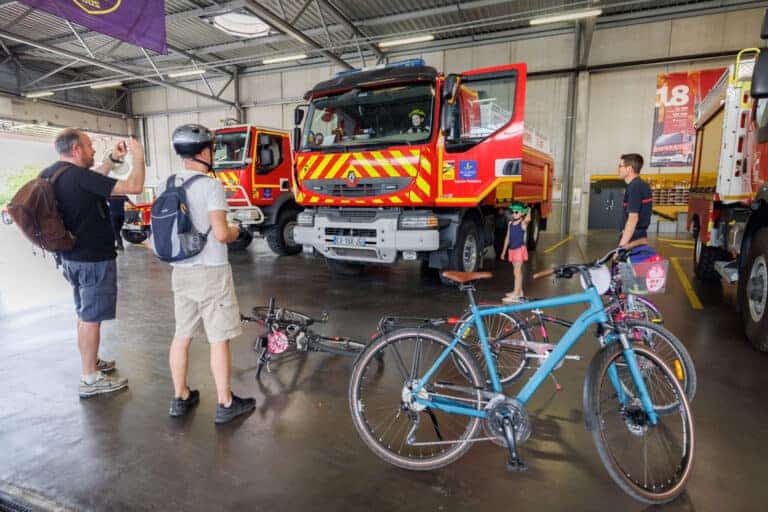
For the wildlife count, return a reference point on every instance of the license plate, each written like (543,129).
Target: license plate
(349,241)
(409,255)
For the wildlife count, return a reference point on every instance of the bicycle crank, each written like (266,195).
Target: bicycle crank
(502,407)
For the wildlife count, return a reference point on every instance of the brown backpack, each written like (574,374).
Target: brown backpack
(34,209)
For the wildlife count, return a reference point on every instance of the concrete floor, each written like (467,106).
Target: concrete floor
(299,450)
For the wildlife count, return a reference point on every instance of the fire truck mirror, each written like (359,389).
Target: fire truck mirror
(450,86)
(764,31)
(266,157)
(296,135)
(760,77)
(298,116)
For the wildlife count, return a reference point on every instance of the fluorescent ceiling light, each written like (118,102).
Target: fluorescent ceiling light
(107,85)
(39,94)
(189,72)
(285,59)
(566,16)
(241,25)
(407,40)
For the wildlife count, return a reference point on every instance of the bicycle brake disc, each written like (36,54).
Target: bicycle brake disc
(493,424)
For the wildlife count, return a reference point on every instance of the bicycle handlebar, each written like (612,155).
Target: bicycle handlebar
(567,271)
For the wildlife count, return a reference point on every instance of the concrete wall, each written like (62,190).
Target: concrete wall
(615,106)
(28,111)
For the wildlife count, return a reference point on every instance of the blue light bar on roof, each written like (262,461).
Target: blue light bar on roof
(409,63)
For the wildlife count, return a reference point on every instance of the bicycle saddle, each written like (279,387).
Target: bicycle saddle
(465,277)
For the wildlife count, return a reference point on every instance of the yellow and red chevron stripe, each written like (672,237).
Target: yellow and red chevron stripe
(228,178)
(395,163)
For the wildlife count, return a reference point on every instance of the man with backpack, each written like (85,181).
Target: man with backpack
(81,196)
(190,230)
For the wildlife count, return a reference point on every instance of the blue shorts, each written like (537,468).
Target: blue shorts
(94,284)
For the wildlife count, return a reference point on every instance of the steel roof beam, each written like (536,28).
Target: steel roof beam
(283,26)
(110,67)
(350,25)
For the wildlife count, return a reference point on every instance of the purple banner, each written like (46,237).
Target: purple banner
(141,22)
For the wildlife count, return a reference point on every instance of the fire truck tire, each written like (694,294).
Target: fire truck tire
(467,253)
(280,236)
(243,241)
(344,268)
(753,292)
(135,237)
(534,229)
(704,259)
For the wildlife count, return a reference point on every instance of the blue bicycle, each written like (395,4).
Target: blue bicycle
(419,400)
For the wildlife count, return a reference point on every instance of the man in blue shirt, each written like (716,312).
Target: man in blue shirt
(638,201)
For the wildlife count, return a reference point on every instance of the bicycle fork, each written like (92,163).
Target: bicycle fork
(637,379)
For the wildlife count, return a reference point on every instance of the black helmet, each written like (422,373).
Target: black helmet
(190,139)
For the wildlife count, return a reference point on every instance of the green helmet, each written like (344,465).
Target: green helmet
(517,206)
(417,112)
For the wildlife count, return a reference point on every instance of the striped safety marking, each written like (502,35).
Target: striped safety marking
(413,163)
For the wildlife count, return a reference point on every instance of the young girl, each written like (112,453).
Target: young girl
(515,250)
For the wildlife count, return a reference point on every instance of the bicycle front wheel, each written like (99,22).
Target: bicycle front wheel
(650,462)
(507,337)
(670,349)
(399,430)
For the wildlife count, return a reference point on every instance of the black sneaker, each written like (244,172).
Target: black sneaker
(181,407)
(236,408)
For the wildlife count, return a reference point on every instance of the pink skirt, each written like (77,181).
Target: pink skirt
(518,255)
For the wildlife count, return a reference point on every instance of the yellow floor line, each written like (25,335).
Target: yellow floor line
(558,244)
(682,246)
(677,240)
(692,297)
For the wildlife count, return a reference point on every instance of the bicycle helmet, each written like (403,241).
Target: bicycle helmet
(190,139)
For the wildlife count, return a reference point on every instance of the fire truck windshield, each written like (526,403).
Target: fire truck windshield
(230,149)
(371,117)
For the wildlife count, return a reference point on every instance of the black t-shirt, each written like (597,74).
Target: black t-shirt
(81,195)
(638,199)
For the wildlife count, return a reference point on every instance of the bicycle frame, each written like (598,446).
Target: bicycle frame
(595,314)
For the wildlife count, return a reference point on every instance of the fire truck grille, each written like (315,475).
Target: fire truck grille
(369,233)
(365,187)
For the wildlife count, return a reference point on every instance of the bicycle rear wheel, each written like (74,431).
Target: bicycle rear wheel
(383,411)
(507,335)
(670,349)
(651,463)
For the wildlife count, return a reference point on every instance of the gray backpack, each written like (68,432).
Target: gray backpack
(174,236)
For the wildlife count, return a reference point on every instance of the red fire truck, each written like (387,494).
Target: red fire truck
(402,162)
(728,208)
(254,165)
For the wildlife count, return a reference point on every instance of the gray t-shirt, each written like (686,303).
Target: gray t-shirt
(204,195)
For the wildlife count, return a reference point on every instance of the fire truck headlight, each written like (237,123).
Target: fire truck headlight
(306,218)
(417,221)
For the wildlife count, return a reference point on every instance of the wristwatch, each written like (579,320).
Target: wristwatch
(114,160)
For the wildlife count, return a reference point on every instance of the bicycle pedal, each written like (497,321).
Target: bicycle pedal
(516,466)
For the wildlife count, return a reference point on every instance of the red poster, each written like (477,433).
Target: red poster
(677,95)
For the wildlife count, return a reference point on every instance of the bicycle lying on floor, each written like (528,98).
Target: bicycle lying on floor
(424,408)
(287,331)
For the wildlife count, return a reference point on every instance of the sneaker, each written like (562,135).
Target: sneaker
(511,299)
(105,365)
(180,407)
(103,384)
(236,408)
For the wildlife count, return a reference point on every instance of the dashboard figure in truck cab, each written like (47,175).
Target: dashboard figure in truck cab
(417,118)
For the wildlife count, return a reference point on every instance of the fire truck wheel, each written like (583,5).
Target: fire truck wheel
(243,241)
(135,237)
(704,259)
(466,255)
(753,292)
(280,236)
(343,268)
(534,228)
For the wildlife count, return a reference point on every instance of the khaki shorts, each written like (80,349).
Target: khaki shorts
(206,294)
